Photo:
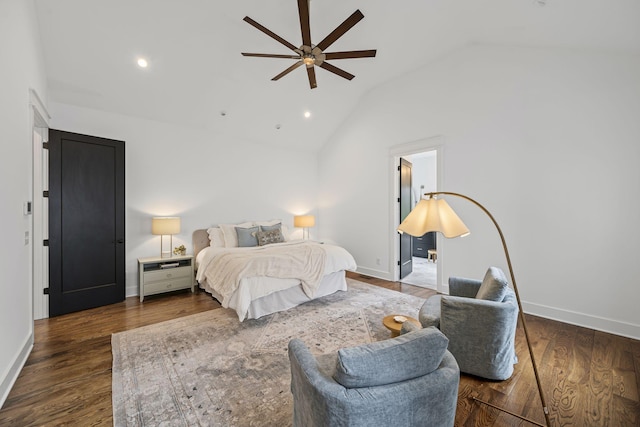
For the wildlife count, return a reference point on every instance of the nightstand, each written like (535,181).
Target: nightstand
(158,275)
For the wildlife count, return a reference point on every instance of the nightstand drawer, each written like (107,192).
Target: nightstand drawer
(169,274)
(177,274)
(167,285)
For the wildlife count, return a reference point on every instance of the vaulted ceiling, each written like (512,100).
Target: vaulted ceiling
(197,77)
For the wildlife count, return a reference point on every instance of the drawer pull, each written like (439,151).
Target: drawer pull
(169,285)
(169,275)
(172,265)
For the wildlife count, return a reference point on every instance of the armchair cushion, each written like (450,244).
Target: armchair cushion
(494,285)
(411,355)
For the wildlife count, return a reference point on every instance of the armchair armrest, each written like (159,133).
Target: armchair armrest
(463,287)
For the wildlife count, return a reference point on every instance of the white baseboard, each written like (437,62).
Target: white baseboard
(611,326)
(12,373)
(132,291)
(380,274)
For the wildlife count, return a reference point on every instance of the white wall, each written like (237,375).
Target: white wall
(204,178)
(547,140)
(21,69)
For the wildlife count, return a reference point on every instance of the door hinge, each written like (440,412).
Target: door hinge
(398,262)
(398,168)
(45,145)
(45,242)
(45,291)
(45,193)
(398,199)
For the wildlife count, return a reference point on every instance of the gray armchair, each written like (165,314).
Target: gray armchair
(411,380)
(479,318)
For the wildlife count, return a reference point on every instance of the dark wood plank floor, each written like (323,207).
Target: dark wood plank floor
(590,378)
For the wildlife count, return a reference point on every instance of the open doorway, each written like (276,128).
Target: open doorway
(424,250)
(425,158)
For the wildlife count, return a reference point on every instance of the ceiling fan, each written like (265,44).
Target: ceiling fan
(312,55)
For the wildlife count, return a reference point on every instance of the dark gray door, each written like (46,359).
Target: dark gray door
(406,263)
(86,222)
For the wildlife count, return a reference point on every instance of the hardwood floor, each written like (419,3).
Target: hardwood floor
(590,378)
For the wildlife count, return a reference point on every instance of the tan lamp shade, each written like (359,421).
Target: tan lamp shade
(433,215)
(165,225)
(304,221)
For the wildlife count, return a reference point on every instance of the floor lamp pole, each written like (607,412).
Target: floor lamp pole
(521,313)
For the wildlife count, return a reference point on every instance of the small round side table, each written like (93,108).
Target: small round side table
(394,326)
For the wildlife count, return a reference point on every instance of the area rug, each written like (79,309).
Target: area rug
(209,369)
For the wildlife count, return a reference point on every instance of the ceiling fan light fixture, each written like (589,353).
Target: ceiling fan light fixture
(309,54)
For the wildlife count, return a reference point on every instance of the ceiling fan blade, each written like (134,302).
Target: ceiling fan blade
(351,54)
(311,73)
(288,70)
(269,55)
(341,29)
(336,70)
(303,11)
(270,33)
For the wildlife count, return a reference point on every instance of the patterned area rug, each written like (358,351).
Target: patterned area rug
(209,369)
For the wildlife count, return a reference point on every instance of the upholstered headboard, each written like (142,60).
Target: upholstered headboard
(200,240)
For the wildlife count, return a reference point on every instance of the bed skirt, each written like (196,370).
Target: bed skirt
(280,300)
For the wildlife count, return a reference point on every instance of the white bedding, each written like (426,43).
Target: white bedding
(237,286)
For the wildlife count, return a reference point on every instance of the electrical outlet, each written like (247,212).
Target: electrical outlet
(377,261)
(26,238)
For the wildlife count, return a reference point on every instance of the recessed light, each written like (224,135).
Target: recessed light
(142,63)
(307,114)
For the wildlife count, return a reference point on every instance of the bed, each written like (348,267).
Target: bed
(263,279)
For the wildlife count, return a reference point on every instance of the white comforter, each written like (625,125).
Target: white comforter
(225,268)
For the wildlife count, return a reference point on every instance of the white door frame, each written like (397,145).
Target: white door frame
(434,143)
(39,217)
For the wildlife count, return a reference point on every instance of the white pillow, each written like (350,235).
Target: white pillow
(230,235)
(216,238)
(285,233)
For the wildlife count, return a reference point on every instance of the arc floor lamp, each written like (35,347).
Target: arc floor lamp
(433,214)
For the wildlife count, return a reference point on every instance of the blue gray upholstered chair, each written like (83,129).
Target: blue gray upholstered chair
(479,318)
(410,380)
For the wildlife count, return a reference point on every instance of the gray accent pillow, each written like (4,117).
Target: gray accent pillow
(277,226)
(494,285)
(398,359)
(247,236)
(268,237)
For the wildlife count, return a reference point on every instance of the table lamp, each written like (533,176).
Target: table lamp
(165,226)
(304,222)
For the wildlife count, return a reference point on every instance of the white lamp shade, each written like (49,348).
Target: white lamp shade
(165,225)
(304,221)
(433,215)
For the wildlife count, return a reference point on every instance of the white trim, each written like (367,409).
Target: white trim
(603,324)
(13,372)
(380,274)
(434,143)
(39,218)
(37,103)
